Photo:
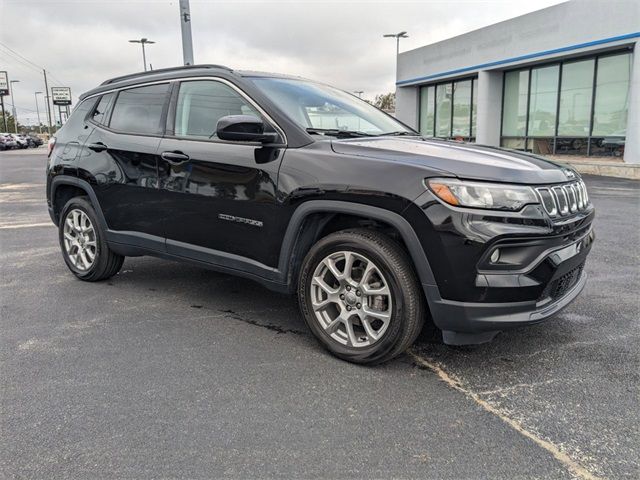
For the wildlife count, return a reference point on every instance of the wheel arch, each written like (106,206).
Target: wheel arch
(72,184)
(302,233)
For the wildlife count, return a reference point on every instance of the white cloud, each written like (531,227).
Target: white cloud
(83,42)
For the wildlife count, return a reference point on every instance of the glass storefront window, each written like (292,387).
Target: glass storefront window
(461,109)
(612,95)
(543,101)
(574,115)
(443,110)
(427,110)
(514,114)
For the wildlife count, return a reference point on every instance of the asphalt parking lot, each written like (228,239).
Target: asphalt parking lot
(172,371)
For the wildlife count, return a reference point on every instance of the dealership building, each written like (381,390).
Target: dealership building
(562,80)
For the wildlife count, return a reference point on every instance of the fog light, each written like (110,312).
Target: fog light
(495,256)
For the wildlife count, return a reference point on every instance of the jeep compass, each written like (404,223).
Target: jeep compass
(310,190)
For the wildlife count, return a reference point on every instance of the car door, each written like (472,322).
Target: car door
(120,158)
(219,197)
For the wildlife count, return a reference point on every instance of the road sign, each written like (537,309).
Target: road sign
(61,95)
(4,84)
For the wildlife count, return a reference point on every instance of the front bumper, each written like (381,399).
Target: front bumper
(464,323)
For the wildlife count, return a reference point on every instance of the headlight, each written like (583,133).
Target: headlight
(492,196)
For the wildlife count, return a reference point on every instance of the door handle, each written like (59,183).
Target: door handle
(97,147)
(174,158)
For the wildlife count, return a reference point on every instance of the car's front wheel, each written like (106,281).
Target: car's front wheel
(83,243)
(360,296)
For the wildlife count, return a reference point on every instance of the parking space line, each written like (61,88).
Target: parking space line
(26,225)
(573,466)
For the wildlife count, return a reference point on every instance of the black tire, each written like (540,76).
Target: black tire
(106,263)
(408,305)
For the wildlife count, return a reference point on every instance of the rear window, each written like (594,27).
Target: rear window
(139,110)
(100,112)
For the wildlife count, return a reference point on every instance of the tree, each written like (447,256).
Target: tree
(10,122)
(386,102)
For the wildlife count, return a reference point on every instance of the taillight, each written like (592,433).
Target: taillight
(50,145)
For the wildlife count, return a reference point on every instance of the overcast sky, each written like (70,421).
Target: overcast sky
(83,42)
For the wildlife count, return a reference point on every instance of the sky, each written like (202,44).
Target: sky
(83,42)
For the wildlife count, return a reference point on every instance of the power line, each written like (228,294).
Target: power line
(22,59)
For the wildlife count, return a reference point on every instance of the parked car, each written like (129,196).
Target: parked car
(20,140)
(34,141)
(374,228)
(3,143)
(9,142)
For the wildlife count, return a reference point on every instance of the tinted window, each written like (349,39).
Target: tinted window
(575,98)
(139,110)
(543,101)
(461,108)
(612,95)
(427,110)
(202,103)
(514,114)
(443,110)
(102,108)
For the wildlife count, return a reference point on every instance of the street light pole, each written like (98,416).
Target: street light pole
(38,111)
(185,27)
(397,36)
(13,105)
(143,41)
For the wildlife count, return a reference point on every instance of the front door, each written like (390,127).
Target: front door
(219,197)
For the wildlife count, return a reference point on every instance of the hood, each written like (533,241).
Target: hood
(463,160)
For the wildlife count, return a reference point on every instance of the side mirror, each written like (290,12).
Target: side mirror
(243,128)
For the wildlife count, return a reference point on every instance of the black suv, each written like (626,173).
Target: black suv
(310,190)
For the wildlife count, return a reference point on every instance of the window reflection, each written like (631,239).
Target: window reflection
(551,109)
(612,95)
(543,101)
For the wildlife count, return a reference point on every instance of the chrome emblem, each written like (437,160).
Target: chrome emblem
(569,173)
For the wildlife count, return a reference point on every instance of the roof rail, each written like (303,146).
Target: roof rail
(162,70)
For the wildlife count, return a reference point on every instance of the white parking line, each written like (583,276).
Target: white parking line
(574,467)
(26,225)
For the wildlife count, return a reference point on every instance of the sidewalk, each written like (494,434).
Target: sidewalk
(606,166)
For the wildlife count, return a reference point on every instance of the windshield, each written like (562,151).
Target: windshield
(322,109)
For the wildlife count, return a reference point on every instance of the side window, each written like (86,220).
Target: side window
(139,110)
(201,103)
(100,112)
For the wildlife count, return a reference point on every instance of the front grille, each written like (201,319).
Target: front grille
(564,200)
(561,285)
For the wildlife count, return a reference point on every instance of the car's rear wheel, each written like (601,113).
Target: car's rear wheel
(360,297)
(83,243)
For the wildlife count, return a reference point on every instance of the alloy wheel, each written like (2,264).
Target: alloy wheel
(79,239)
(351,299)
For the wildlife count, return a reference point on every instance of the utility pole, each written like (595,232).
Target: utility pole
(38,111)
(13,105)
(46,89)
(143,41)
(185,24)
(4,115)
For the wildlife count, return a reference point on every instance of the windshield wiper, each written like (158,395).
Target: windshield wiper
(399,133)
(334,132)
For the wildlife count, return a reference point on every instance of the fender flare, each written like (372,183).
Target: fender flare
(405,229)
(82,184)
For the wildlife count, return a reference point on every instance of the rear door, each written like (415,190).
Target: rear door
(219,196)
(121,158)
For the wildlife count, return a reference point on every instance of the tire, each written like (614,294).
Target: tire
(370,339)
(79,212)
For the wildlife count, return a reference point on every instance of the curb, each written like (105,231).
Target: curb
(608,169)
